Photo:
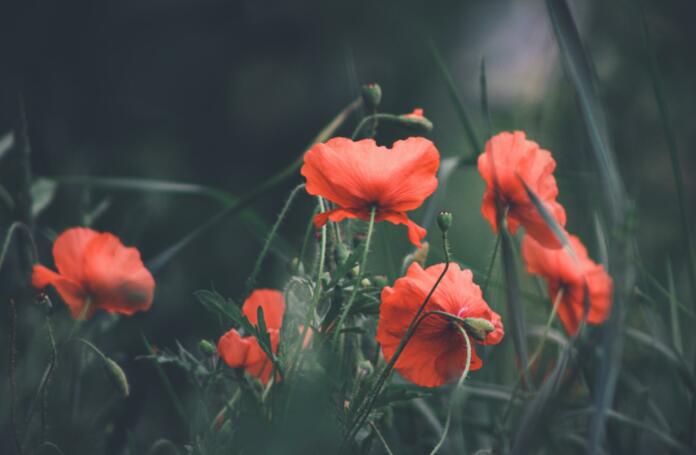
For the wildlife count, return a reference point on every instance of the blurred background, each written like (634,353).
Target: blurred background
(227,93)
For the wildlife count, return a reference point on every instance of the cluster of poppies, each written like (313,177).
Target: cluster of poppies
(369,182)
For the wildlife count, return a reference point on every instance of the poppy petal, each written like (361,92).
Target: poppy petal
(415,233)
(273,304)
(234,349)
(69,252)
(72,292)
(118,280)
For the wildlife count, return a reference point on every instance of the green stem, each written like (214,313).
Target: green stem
(297,351)
(361,272)
(491,264)
(454,393)
(167,384)
(266,246)
(364,409)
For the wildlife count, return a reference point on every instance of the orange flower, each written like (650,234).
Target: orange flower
(570,275)
(357,176)
(508,159)
(436,353)
(245,352)
(95,271)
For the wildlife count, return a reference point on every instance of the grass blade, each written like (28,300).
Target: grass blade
(579,71)
(674,312)
(671,139)
(456,101)
(514,305)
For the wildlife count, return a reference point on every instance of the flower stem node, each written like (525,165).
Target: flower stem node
(444,220)
(478,328)
(372,95)
(207,348)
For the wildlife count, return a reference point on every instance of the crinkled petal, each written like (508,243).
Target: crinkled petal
(116,278)
(273,304)
(69,252)
(72,292)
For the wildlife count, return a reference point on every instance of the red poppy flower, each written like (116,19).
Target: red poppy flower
(508,160)
(357,176)
(95,271)
(436,353)
(571,274)
(245,352)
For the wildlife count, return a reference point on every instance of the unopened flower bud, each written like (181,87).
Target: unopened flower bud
(380,281)
(444,220)
(207,348)
(295,266)
(416,121)
(421,254)
(372,95)
(365,282)
(478,328)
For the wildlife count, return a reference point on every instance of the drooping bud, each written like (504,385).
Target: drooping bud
(295,266)
(478,328)
(372,96)
(365,282)
(444,220)
(416,121)
(207,348)
(117,376)
(421,254)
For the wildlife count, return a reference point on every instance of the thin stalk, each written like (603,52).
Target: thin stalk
(552,316)
(251,281)
(381,439)
(454,393)
(364,409)
(361,272)
(491,264)
(167,385)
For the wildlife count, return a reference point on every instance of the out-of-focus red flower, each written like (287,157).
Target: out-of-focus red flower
(436,353)
(508,160)
(245,352)
(95,271)
(571,274)
(357,176)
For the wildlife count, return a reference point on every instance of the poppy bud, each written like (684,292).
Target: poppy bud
(416,121)
(444,220)
(295,266)
(380,281)
(478,328)
(372,95)
(365,282)
(207,348)
(117,376)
